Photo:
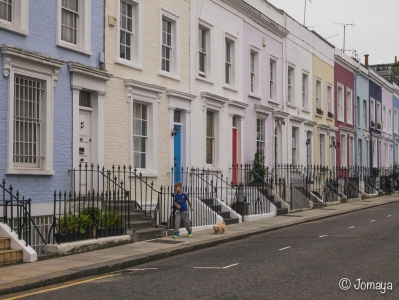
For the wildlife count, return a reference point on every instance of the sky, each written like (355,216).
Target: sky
(376,30)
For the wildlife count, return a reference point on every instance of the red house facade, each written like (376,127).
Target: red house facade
(344,116)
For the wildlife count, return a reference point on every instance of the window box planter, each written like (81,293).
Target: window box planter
(319,111)
(372,123)
(379,126)
(330,115)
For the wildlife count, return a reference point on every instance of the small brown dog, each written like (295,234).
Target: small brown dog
(219,228)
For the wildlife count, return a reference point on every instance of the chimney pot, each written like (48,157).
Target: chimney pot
(396,59)
(366,60)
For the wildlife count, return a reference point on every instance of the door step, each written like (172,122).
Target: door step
(7,255)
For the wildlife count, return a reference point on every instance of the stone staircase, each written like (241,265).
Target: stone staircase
(143,227)
(316,204)
(227,217)
(7,255)
(269,195)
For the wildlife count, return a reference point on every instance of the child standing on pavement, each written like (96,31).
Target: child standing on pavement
(180,201)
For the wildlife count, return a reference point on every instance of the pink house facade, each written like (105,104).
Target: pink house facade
(263,92)
(387,140)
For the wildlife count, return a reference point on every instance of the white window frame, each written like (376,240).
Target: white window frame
(384,117)
(256,72)
(372,113)
(19,18)
(389,118)
(390,155)
(349,106)
(385,154)
(174,66)
(232,41)
(291,85)
(343,150)
(208,29)
(351,151)
(365,116)
(83,31)
(149,94)
(259,136)
(340,102)
(359,152)
(396,152)
(19,62)
(151,135)
(395,121)
(273,82)
(318,96)
(374,145)
(330,103)
(136,51)
(378,104)
(145,137)
(358,112)
(305,90)
(295,144)
(322,147)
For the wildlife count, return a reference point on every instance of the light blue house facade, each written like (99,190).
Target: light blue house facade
(362,116)
(51,60)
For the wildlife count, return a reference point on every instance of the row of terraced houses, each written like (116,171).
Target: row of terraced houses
(157,84)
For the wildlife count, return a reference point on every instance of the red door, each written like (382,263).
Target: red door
(234,151)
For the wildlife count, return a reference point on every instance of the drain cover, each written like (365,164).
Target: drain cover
(165,241)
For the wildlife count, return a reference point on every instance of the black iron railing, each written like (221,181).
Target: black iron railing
(18,215)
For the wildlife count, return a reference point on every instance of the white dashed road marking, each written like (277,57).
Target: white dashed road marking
(323,235)
(216,267)
(372,221)
(142,269)
(284,248)
(351,227)
(389,216)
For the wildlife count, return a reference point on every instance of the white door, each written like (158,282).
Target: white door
(84,148)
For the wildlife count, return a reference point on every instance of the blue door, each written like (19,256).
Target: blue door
(177,154)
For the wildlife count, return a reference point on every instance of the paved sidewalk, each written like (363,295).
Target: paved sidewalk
(32,275)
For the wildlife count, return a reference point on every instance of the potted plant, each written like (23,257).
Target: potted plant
(111,224)
(258,172)
(379,125)
(73,227)
(372,124)
(330,115)
(376,171)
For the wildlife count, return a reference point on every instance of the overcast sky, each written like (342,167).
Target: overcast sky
(376,30)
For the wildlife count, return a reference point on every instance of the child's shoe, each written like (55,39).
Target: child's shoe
(190,234)
(176,235)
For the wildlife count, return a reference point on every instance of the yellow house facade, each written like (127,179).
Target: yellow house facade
(323,105)
(147,51)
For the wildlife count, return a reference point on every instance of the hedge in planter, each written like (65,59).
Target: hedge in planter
(73,227)
(111,224)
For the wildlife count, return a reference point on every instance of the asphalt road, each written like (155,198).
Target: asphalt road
(301,262)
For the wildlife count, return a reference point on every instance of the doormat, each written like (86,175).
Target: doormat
(166,241)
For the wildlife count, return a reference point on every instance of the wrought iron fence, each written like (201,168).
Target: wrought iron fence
(17,214)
